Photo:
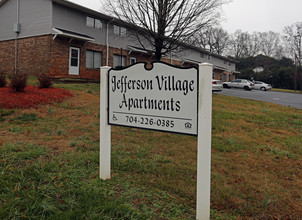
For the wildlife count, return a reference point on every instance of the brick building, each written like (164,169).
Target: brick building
(64,39)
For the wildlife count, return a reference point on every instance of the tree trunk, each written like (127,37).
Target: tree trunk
(158,49)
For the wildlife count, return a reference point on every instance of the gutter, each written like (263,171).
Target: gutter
(17,31)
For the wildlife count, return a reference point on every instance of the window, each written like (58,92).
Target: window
(119,30)
(90,22)
(98,24)
(119,60)
(201,55)
(123,31)
(116,29)
(94,23)
(74,57)
(209,57)
(132,60)
(93,59)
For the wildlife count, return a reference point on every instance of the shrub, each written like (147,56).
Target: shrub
(2,79)
(18,81)
(45,80)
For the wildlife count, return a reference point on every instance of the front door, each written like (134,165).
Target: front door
(74,61)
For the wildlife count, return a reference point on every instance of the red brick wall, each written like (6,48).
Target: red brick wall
(33,55)
(59,61)
(7,56)
(48,55)
(219,75)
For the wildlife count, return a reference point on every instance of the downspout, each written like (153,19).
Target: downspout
(107,42)
(16,39)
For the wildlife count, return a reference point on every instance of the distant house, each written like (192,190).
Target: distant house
(64,39)
(258,69)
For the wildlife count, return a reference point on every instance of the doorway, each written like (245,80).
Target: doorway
(74,61)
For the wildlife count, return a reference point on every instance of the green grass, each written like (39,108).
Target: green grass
(286,90)
(49,164)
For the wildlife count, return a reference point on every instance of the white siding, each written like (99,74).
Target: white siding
(34,17)
(8,16)
(76,21)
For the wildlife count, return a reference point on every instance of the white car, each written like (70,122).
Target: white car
(239,83)
(262,86)
(216,85)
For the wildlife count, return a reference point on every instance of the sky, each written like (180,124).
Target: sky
(248,15)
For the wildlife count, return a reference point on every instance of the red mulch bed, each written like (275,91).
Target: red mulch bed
(31,97)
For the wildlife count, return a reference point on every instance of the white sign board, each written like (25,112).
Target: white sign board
(163,98)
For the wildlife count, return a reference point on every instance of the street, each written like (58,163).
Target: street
(282,98)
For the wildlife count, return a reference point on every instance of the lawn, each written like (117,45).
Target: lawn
(49,163)
(286,90)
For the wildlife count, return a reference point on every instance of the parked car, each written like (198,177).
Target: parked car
(216,85)
(239,83)
(262,86)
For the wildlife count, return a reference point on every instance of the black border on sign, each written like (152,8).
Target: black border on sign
(149,69)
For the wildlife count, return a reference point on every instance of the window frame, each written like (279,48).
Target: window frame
(94,23)
(119,30)
(121,60)
(116,29)
(132,59)
(93,59)
(89,21)
(99,25)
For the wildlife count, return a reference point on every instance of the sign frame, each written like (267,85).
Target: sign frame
(153,64)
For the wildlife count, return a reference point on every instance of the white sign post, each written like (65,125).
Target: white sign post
(105,128)
(204,142)
(164,98)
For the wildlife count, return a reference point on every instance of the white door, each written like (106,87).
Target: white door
(74,61)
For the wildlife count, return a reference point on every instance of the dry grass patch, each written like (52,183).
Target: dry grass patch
(256,163)
(60,126)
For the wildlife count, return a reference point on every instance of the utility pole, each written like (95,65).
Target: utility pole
(299,56)
(295,73)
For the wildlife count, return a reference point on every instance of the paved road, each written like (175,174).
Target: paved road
(281,98)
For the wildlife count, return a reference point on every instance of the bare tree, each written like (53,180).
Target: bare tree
(279,52)
(293,35)
(239,44)
(214,39)
(163,23)
(254,45)
(269,43)
(292,40)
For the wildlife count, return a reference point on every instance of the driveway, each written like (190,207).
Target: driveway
(281,98)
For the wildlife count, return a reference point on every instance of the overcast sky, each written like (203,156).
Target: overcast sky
(248,15)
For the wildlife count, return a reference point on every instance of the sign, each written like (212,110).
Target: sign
(163,98)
